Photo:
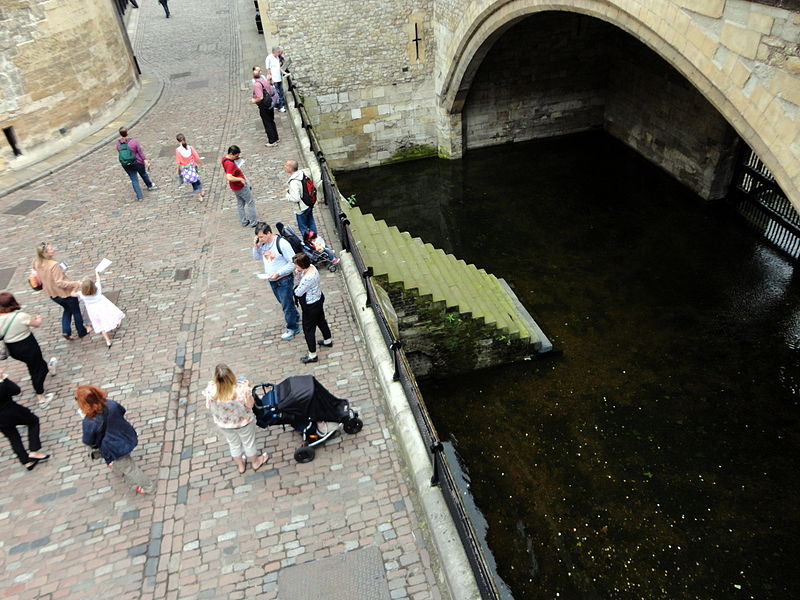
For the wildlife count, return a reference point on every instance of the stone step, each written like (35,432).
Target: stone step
(438,276)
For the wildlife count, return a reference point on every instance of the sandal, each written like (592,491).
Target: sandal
(265,458)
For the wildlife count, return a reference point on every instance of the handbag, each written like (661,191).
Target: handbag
(35,281)
(3,347)
(189,173)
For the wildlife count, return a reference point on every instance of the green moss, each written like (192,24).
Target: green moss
(413,152)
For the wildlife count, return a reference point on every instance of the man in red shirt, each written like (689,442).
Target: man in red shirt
(241,188)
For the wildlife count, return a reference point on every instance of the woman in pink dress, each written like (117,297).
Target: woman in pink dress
(104,314)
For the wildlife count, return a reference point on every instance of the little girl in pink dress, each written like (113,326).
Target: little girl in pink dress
(104,314)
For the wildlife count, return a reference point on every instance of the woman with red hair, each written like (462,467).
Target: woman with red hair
(106,430)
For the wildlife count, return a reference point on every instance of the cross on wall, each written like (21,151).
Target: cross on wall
(416,39)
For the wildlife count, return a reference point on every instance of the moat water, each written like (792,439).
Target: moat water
(657,456)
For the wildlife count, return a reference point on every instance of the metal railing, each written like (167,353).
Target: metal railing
(764,206)
(442,472)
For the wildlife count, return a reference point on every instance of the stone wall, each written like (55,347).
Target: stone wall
(364,80)
(64,66)
(654,110)
(556,86)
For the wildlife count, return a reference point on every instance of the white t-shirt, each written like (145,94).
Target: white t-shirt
(274,66)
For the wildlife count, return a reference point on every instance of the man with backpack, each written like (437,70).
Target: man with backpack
(302,194)
(132,158)
(264,96)
(276,253)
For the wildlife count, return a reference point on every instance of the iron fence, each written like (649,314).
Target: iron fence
(443,474)
(762,203)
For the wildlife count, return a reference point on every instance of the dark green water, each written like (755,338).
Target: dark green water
(657,458)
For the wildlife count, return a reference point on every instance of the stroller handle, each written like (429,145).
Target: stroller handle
(265,389)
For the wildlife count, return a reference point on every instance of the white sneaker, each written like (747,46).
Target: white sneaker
(52,364)
(282,109)
(287,334)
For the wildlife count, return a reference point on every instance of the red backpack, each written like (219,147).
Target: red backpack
(308,193)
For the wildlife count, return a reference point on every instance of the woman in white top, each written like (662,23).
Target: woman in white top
(231,404)
(15,329)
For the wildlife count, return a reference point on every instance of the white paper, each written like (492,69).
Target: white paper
(102,265)
(262,276)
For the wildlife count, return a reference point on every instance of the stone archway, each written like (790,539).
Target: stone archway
(759,111)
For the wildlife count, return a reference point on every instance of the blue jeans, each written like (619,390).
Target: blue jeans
(133,172)
(197,186)
(72,310)
(284,292)
(305,220)
(281,96)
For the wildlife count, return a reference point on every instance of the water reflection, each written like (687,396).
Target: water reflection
(656,458)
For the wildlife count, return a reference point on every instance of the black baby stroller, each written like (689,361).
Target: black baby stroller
(301,402)
(319,258)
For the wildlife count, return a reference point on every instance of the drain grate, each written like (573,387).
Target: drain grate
(182,274)
(355,574)
(192,85)
(5,277)
(179,75)
(25,207)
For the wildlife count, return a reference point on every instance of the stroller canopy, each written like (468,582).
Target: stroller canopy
(305,397)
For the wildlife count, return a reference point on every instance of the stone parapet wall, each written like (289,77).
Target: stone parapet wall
(64,67)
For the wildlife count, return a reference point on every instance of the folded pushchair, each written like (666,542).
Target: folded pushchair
(301,402)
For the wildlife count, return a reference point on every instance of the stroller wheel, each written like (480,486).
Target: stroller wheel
(332,268)
(304,454)
(353,425)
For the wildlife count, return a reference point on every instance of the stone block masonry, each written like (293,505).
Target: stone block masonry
(66,68)
(365,73)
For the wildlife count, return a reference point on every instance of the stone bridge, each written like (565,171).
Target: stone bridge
(393,81)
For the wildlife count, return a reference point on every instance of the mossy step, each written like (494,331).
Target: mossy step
(434,274)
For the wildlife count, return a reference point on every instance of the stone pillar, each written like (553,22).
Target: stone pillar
(450,139)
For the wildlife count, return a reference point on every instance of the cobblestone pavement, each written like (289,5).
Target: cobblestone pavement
(71,528)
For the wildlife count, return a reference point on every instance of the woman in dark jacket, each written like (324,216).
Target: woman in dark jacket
(11,415)
(105,429)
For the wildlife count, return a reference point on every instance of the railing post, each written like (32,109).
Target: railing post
(436,449)
(343,222)
(395,348)
(366,274)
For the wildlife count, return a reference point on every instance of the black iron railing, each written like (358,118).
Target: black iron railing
(442,472)
(763,204)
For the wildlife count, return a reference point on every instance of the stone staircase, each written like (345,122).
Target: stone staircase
(462,287)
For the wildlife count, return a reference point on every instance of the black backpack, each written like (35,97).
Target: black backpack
(287,233)
(266,100)
(308,193)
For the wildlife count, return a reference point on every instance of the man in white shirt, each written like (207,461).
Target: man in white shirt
(273,63)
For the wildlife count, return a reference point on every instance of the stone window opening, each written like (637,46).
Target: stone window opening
(11,137)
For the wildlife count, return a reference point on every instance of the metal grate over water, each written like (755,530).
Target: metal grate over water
(764,205)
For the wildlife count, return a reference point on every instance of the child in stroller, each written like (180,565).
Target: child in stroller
(317,251)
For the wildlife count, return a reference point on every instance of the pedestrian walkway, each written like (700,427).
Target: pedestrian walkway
(342,526)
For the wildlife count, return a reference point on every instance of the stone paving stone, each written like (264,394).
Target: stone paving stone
(71,528)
